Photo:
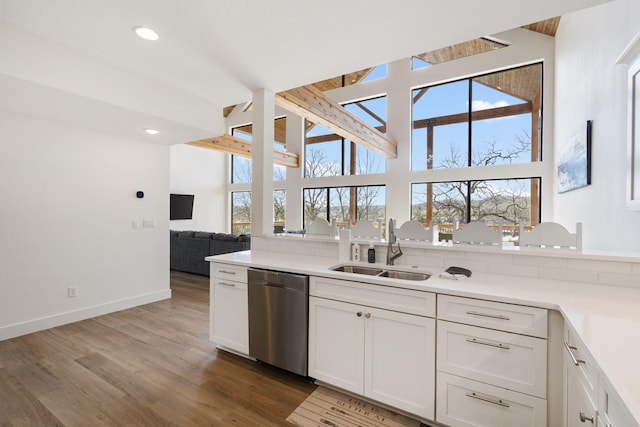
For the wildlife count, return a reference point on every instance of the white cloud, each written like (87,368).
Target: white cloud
(477,105)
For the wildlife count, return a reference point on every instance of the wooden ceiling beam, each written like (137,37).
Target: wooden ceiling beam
(313,105)
(492,113)
(240,147)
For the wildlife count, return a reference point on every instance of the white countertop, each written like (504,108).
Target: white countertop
(605,318)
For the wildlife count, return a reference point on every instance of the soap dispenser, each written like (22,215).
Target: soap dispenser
(371,253)
(355,252)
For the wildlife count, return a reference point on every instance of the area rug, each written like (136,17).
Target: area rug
(329,408)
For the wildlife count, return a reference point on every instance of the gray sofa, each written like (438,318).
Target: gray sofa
(189,248)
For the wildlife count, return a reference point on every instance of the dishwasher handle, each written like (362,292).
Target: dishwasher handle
(278,280)
(267,283)
(277,285)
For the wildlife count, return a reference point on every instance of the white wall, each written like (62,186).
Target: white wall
(66,216)
(203,173)
(589,86)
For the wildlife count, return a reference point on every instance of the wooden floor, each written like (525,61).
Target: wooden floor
(148,366)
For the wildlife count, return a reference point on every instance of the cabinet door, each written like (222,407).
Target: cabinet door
(612,412)
(336,343)
(400,360)
(230,315)
(581,410)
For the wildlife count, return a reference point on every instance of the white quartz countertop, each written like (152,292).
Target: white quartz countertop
(605,318)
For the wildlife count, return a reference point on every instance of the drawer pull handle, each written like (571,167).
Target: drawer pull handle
(227,272)
(574,359)
(500,402)
(367,315)
(231,285)
(490,344)
(493,316)
(359,314)
(584,418)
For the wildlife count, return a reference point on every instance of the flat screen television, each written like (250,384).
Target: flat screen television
(180,206)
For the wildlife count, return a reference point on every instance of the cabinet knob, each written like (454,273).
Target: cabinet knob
(584,418)
(359,314)
(367,315)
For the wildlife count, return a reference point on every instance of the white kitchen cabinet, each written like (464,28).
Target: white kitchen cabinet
(512,361)
(612,411)
(580,384)
(400,360)
(462,402)
(589,398)
(336,343)
(381,354)
(492,363)
(519,319)
(581,410)
(229,313)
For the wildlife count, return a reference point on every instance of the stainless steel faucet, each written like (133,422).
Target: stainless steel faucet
(392,254)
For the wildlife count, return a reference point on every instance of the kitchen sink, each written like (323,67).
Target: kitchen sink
(371,271)
(383,272)
(404,275)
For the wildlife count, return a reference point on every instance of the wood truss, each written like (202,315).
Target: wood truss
(313,105)
(240,147)
(309,102)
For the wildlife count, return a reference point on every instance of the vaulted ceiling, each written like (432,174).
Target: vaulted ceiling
(79,62)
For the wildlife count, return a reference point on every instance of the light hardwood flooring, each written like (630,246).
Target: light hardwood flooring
(151,365)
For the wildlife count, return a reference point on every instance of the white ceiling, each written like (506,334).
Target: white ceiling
(78,60)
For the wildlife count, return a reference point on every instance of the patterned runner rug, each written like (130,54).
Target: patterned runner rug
(329,408)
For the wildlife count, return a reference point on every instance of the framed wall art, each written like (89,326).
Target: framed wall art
(574,165)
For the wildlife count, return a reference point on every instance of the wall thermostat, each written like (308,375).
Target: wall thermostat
(140,194)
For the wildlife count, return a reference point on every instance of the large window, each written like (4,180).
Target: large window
(241,166)
(487,120)
(346,205)
(328,154)
(475,152)
(241,211)
(509,203)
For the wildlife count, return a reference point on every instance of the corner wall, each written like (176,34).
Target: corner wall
(201,172)
(589,86)
(68,208)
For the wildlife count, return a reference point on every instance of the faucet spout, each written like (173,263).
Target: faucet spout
(392,254)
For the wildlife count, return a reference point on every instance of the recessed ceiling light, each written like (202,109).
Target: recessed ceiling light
(151,131)
(146,33)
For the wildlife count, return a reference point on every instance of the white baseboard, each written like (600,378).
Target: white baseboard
(40,324)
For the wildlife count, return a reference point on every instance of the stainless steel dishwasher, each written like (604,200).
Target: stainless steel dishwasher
(278,319)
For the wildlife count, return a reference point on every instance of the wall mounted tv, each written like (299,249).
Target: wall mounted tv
(180,206)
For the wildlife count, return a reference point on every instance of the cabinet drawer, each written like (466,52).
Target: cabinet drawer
(396,299)
(582,362)
(495,315)
(229,272)
(466,403)
(503,359)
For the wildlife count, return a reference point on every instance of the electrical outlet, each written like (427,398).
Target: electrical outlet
(72,291)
